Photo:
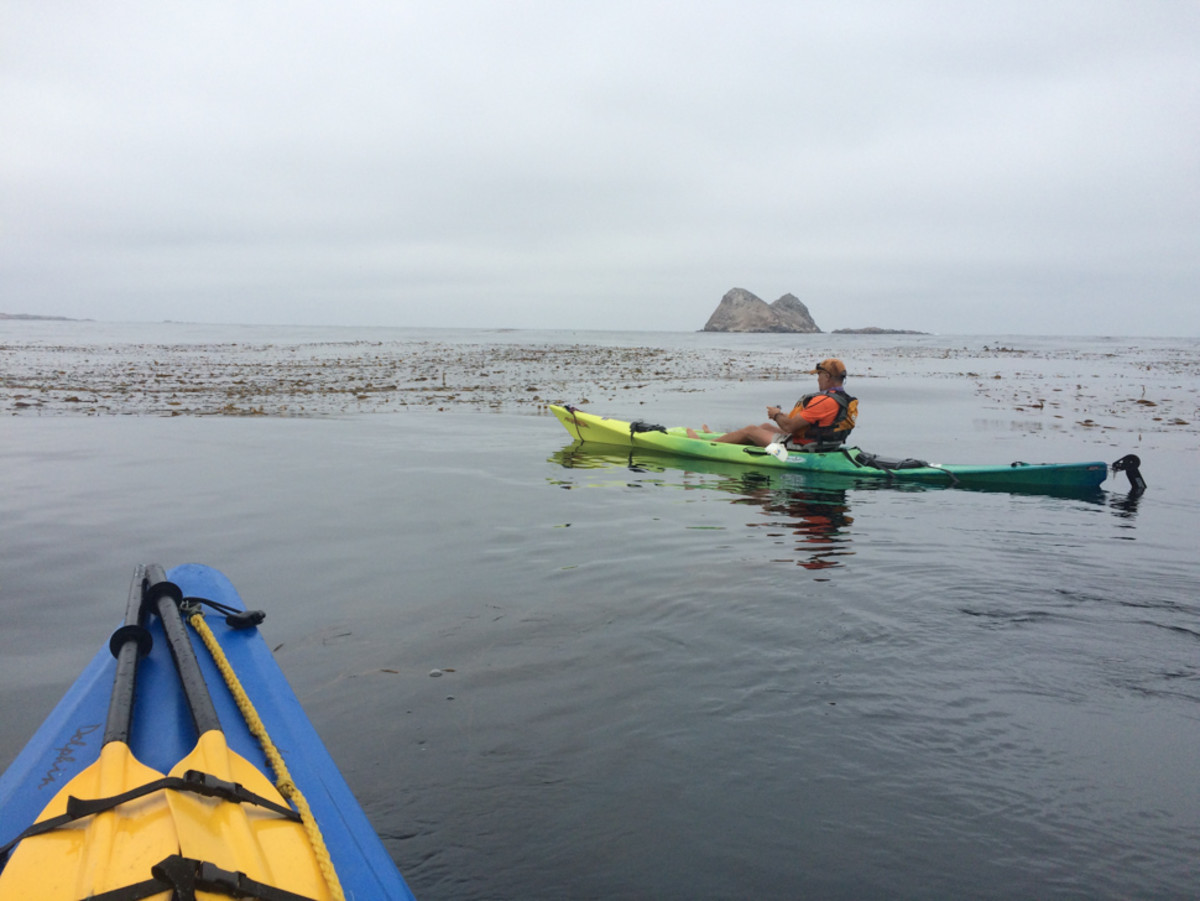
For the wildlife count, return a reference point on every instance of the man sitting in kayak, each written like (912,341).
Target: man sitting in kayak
(822,418)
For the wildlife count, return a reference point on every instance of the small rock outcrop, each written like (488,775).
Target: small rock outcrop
(35,317)
(875,330)
(741,311)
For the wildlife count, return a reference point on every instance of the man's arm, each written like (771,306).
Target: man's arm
(798,421)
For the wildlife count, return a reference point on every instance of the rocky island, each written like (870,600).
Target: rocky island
(741,311)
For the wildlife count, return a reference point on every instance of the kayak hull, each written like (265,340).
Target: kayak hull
(846,461)
(162,734)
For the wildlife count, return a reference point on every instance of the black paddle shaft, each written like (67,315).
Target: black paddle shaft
(128,644)
(165,597)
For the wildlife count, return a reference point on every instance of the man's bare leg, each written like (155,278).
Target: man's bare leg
(759,435)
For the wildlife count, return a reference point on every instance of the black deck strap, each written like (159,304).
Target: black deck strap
(184,877)
(234,618)
(193,781)
(883,463)
(953,477)
(891,466)
(210,786)
(135,892)
(639,425)
(575,420)
(814,447)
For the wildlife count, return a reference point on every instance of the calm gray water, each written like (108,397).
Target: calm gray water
(665,682)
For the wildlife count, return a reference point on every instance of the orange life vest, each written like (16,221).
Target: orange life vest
(844,420)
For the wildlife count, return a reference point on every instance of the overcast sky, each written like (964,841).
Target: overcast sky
(954,167)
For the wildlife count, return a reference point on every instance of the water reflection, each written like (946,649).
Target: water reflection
(807,509)
(819,521)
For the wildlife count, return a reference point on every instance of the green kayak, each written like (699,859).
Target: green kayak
(843,461)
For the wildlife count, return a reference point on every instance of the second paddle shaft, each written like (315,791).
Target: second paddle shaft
(165,597)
